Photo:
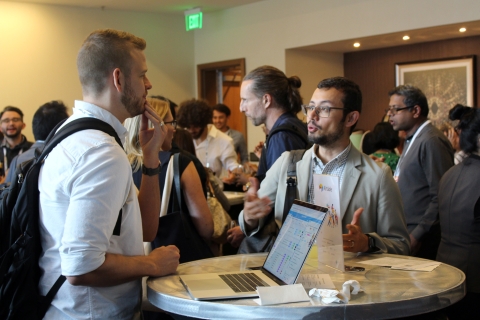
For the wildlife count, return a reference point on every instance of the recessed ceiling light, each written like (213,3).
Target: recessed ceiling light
(356,44)
(406,38)
(462,29)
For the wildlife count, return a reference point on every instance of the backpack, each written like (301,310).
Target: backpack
(20,242)
(263,240)
(292,128)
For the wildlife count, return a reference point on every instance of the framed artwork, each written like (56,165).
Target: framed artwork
(445,82)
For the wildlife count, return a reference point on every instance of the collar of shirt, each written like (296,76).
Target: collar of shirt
(5,143)
(86,109)
(334,167)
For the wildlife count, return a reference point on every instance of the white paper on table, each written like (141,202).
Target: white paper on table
(320,281)
(281,294)
(403,264)
(329,239)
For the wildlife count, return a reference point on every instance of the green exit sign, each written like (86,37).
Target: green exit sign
(193,19)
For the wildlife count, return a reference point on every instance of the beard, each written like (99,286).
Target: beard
(132,103)
(199,134)
(328,139)
(17,133)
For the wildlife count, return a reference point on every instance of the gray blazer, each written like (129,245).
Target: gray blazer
(365,184)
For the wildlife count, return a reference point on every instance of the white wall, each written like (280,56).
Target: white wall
(262,31)
(39,45)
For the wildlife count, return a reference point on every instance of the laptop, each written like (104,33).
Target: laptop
(282,266)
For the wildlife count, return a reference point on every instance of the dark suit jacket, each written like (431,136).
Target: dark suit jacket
(459,204)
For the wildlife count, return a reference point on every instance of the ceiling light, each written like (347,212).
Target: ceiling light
(356,44)
(462,29)
(406,38)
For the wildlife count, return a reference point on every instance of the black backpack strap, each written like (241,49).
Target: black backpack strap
(295,156)
(55,137)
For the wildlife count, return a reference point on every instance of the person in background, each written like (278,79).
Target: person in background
(371,208)
(44,120)
(459,206)
(193,197)
(453,135)
(86,182)
(213,148)
(426,156)
(14,142)
(385,140)
(271,98)
(221,115)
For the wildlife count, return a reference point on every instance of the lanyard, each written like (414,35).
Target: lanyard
(404,153)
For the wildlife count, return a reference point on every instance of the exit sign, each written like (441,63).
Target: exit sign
(193,19)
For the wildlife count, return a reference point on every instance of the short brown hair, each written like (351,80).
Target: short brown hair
(102,52)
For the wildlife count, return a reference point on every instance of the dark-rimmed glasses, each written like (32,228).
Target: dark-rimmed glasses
(320,111)
(173,123)
(394,111)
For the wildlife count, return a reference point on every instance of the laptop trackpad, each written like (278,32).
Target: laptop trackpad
(207,284)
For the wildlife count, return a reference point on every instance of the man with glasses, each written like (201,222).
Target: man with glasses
(370,204)
(427,155)
(14,142)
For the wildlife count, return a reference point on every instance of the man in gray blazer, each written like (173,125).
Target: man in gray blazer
(427,155)
(371,206)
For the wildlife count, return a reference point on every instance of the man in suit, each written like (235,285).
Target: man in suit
(427,155)
(371,207)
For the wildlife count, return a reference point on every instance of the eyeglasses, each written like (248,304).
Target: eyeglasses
(394,111)
(14,120)
(321,111)
(173,123)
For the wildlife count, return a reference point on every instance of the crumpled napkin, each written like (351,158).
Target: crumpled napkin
(330,296)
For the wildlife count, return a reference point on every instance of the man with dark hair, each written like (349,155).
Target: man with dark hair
(14,142)
(44,120)
(427,155)
(213,147)
(371,209)
(269,97)
(221,114)
(92,223)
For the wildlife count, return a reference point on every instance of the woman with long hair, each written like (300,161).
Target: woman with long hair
(193,197)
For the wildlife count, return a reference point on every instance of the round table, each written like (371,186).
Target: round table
(388,293)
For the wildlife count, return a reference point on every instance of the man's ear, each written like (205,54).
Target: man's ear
(352,118)
(267,100)
(118,79)
(417,110)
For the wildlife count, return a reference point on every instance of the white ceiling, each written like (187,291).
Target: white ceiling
(346,45)
(160,6)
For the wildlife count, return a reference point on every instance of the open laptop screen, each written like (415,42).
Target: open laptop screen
(294,241)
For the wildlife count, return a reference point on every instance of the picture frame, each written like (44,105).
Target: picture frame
(445,83)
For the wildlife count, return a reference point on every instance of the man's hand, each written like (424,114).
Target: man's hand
(235,236)
(254,207)
(414,245)
(355,240)
(151,139)
(166,260)
(258,149)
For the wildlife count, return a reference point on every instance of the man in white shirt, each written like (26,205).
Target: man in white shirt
(214,148)
(87,180)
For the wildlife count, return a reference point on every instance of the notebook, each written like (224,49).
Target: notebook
(282,266)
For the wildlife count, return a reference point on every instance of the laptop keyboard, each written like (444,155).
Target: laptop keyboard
(243,282)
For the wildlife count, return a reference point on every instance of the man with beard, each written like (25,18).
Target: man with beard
(213,148)
(92,224)
(370,202)
(14,142)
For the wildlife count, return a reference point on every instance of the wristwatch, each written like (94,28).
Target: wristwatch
(151,172)
(371,244)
